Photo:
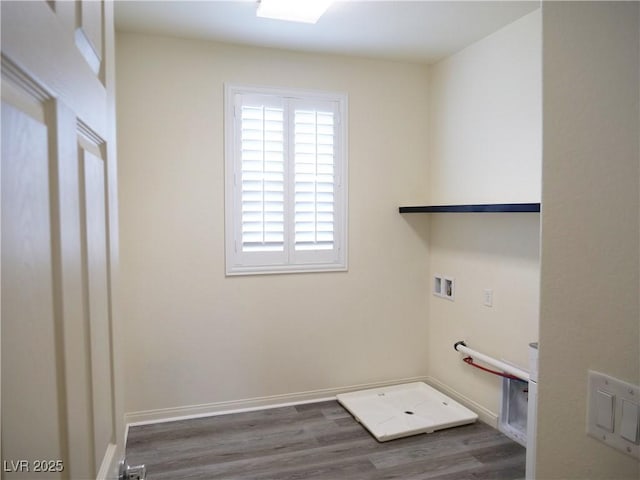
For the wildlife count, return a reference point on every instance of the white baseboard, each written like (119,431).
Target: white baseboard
(247,405)
(485,415)
(109,466)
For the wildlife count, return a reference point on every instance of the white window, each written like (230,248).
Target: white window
(285,180)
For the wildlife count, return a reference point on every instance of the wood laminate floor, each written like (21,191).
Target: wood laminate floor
(318,441)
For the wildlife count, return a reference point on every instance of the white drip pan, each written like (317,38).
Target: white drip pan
(403,410)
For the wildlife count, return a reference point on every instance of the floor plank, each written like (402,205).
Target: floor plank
(317,441)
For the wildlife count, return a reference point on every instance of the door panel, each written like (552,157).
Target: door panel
(30,353)
(40,41)
(98,298)
(89,33)
(60,392)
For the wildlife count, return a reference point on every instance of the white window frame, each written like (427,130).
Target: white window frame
(289,261)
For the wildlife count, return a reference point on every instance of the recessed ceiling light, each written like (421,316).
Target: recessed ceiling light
(306,11)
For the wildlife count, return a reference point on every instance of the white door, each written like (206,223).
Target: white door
(61,391)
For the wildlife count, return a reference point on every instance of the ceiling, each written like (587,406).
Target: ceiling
(416,31)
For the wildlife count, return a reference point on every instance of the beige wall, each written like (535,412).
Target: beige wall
(196,337)
(497,251)
(485,143)
(589,269)
(485,119)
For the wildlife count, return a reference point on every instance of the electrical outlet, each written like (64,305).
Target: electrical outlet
(488,297)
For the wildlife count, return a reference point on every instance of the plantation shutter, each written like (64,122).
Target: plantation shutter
(262,172)
(285,167)
(314,175)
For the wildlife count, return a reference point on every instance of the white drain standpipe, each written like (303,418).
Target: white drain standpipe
(532,394)
(505,367)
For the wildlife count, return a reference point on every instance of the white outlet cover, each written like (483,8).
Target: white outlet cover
(601,385)
(488,297)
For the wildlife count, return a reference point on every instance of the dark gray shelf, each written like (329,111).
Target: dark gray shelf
(487,207)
